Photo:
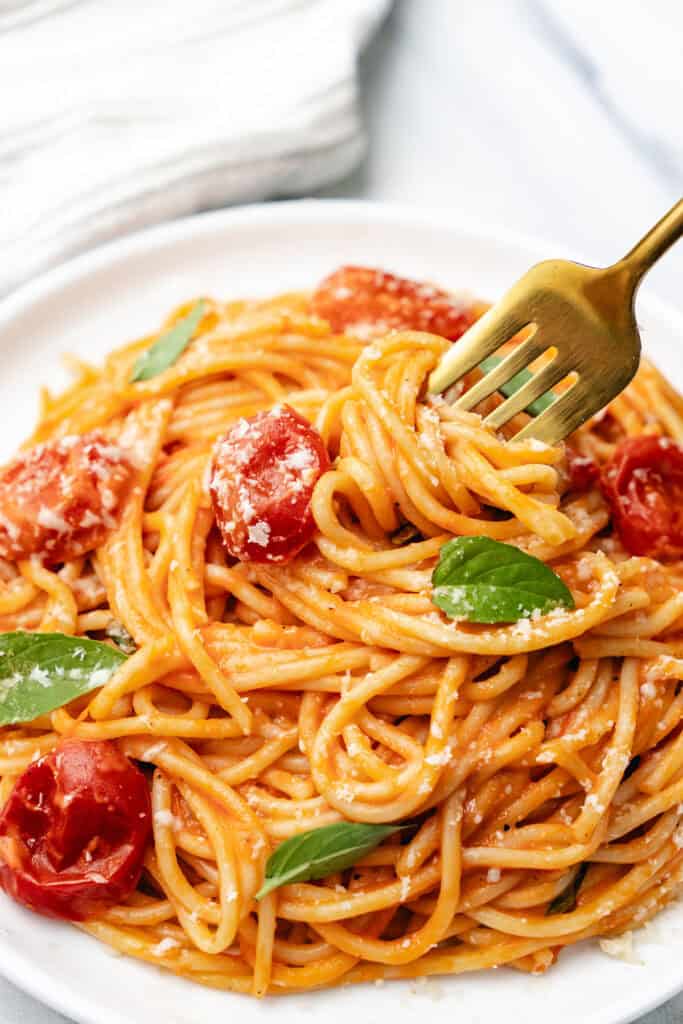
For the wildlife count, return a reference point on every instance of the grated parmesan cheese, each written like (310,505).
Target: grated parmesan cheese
(51,520)
(440,759)
(405,889)
(259,534)
(164,818)
(165,946)
(621,948)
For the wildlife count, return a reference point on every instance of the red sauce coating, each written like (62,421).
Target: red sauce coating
(583,472)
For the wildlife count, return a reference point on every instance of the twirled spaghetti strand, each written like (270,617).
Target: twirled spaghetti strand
(271,700)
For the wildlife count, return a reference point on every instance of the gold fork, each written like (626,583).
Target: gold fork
(580,319)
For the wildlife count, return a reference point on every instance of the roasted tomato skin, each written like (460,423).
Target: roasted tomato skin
(369,302)
(582,471)
(60,499)
(643,486)
(263,473)
(74,830)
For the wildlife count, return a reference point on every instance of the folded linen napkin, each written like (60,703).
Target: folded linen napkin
(118,113)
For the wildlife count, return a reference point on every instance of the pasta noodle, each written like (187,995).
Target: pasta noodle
(273,699)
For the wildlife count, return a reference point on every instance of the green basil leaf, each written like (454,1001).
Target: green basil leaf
(43,671)
(566,901)
(119,635)
(483,580)
(515,383)
(321,852)
(169,347)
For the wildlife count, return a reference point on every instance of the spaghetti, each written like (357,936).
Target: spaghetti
(274,697)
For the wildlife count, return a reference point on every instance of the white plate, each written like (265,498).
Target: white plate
(122,290)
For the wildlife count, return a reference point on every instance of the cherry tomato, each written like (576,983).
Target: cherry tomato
(262,478)
(74,830)
(371,302)
(643,485)
(60,499)
(583,472)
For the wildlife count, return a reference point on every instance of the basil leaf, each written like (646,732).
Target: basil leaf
(566,901)
(169,347)
(43,671)
(321,852)
(119,635)
(515,383)
(483,580)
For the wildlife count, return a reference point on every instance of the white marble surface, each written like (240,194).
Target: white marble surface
(492,111)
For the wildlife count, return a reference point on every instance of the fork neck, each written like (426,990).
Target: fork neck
(647,251)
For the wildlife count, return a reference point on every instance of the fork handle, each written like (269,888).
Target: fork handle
(647,251)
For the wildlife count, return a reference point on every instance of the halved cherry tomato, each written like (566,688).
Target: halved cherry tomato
(74,830)
(583,472)
(371,302)
(643,485)
(262,478)
(61,498)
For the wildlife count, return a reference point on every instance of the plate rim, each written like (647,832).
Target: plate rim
(64,273)
(15,967)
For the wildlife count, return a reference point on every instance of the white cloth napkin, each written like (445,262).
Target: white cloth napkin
(118,113)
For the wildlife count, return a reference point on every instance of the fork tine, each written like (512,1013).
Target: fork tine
(495,378)
(565,415)
(491,331)
(529,392)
